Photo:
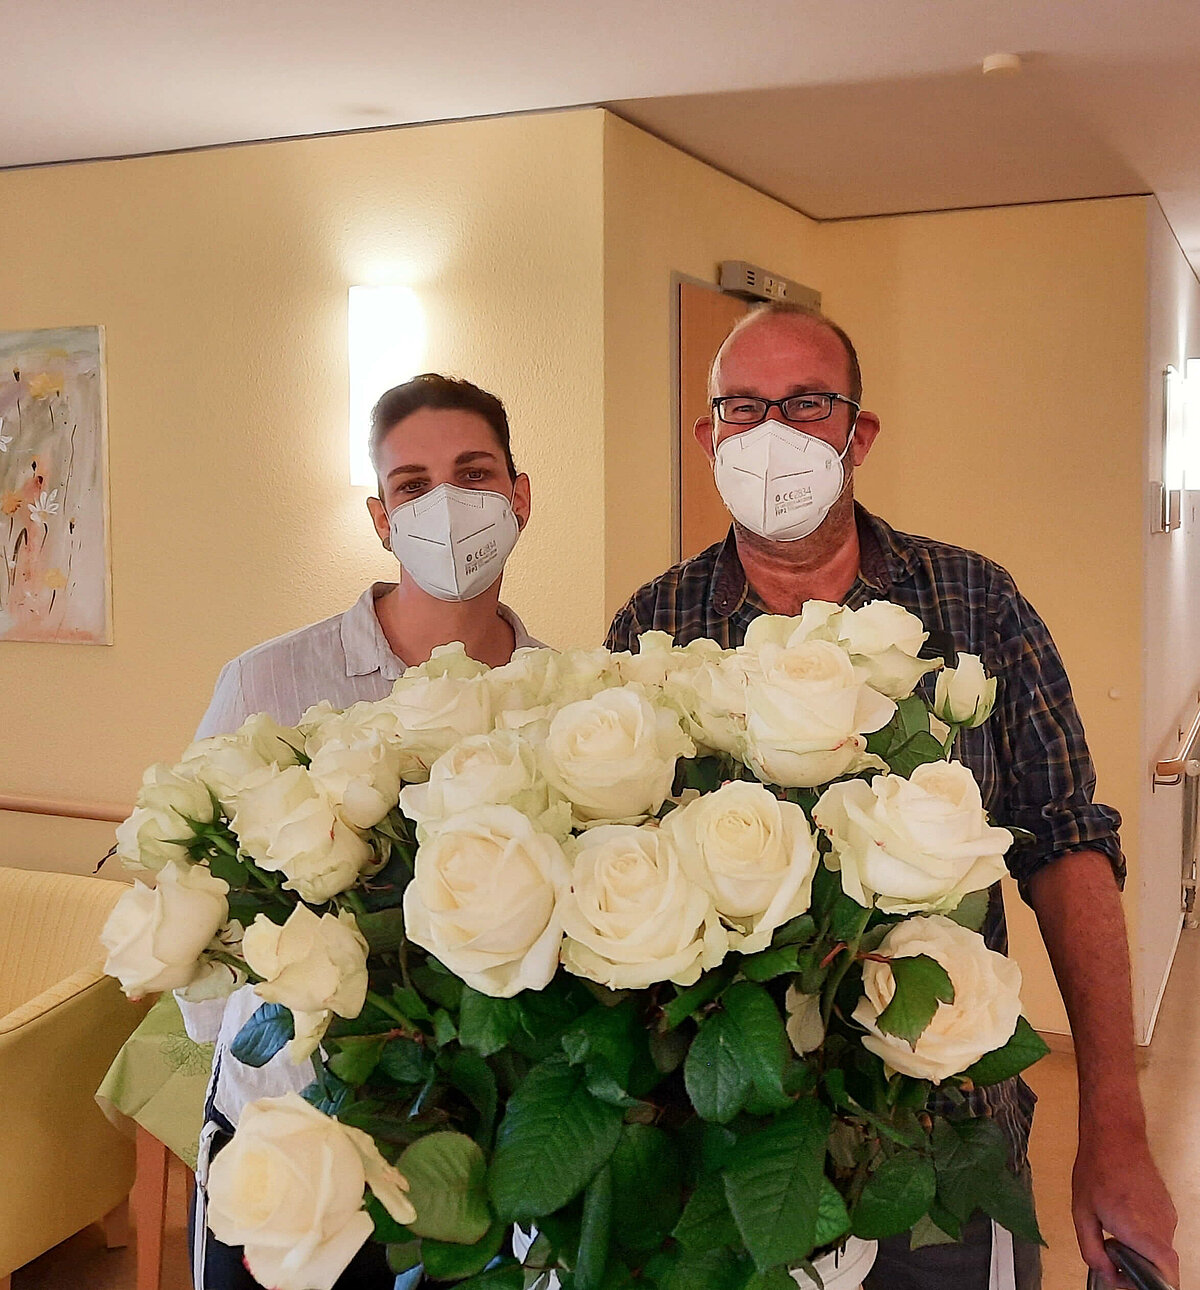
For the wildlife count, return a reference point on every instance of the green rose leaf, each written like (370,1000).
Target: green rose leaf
(506,1276)
(926,1232)
(448,1261)
(1024,1048)
(486,1024)
(921,984)
(833,1219)
(609,1037)
(708,1270)
(971,910)
(738,1054)
(896,1195)
(447,1179)
(647,1180)
(594,1231)
(263,1035)
(771,963)
(405,1061)
(773,1184)
(1008,1200)
(964,1153)
(920,750)
(473,1077)
(357,1057)
(796,931)
(554,1137)
(706,1223)
(384,931)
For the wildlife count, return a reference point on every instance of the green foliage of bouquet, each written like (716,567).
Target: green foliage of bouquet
(657,956)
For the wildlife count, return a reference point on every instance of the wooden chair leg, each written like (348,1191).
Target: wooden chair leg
(116,1226)
(149,1197)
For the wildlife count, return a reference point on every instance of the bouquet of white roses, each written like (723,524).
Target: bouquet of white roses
(658,954)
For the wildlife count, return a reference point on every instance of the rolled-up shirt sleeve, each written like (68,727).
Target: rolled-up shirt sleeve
(1047,777)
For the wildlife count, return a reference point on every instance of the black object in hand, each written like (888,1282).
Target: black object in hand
(1140,1271)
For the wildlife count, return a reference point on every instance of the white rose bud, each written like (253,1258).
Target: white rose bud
(633,916)
(361,777)
(886,640)
(225,762)
(613,756)
(983,1016)
(752,853)
(805,1028)
(310,965)
(818,620)
(286,824)
(808,712)
(155,936)
(484,900)
(433,712)
(912,845)
(150,838)
(499,769)
(289,1188)
(964,695)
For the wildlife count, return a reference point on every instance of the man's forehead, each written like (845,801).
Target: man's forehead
(801,352)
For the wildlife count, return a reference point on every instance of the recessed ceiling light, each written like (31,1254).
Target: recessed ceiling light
(1002,64)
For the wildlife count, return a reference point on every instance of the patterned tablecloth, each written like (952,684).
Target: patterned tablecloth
(158,1079)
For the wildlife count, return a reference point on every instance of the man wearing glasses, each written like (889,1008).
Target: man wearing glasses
(786,432)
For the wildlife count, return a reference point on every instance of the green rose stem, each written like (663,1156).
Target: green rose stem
(849,956)
(387,1009)
(238,965)
(355,901)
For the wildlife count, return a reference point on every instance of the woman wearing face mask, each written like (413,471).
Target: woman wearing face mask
(451,507)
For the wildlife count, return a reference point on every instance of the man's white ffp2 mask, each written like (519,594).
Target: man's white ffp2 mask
(779,482)
(452,541)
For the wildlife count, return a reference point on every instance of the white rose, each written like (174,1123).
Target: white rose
(613,756)
(152,835)
(983,1016)
(965,695)
(752,853)
(529,690)
(450,660)
(225,762)
(484,900)
(362,777)
(433,712)
(499,769)
(808,712)
(155,936)
(290,1187)
(885,640)
(912,845)
(286,824)
(659,660)
(805,1028)
(818,620)
(712,699)
(312,965)
(633,916)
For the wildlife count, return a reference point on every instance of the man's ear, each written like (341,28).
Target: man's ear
(865,430)
(522,502)
(379,517)
(703,430)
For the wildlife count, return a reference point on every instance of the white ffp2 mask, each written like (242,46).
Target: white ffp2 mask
(452,541)
(778,481)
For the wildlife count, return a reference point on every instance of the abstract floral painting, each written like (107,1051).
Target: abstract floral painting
(54,568)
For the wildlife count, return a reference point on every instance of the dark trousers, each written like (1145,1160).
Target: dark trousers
(963,1266)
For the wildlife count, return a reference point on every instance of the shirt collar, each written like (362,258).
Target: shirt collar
(367,649)
(882,561)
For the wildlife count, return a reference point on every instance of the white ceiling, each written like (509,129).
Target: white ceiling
(847,107)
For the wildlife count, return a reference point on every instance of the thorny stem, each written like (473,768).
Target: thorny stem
(386,1008)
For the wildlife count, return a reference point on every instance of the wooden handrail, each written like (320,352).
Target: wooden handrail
(1185,761)
(104,811)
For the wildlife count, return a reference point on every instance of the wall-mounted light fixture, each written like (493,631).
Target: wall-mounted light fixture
(1191,423)
(386,334)
(1173,457)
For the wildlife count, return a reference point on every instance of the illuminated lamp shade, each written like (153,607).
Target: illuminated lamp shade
(1191,423)
(386,333)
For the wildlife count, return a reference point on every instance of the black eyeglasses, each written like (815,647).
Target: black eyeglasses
(745,410)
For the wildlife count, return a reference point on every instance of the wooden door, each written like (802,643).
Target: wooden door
(706,316)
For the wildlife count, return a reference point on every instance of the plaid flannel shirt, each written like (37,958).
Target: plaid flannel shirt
(1031,757)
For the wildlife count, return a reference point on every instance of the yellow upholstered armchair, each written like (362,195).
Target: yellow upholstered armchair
(62,1164)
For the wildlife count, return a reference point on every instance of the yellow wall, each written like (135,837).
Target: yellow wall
(664,213)
(221,280)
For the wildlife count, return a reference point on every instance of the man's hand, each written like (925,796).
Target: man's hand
(1115,1185)
(1116,1188)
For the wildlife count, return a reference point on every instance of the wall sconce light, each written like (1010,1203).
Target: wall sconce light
(386,333)
(1173,455)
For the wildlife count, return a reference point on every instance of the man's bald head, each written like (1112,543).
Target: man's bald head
(783,318)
